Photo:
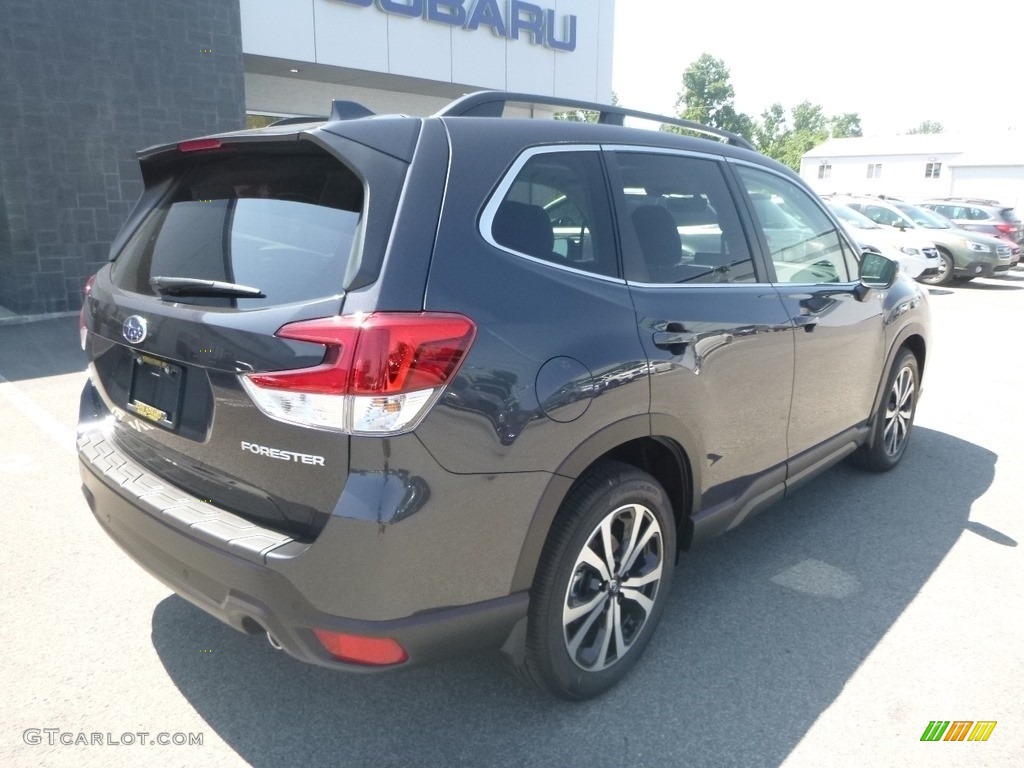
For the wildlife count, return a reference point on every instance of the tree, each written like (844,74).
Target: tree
(927,126)
(787,139)
(845,125)
(707,98)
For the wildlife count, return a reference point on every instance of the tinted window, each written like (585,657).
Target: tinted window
(684,221)
(557,210)
(805,245)
(283,225)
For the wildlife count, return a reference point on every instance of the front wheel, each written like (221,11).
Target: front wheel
(890,431)
(601,582)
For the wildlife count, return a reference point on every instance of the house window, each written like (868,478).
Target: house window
(824,170)
(874,170)
(932,170)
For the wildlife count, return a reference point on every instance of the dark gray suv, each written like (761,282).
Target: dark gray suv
(989,217)
(391,389)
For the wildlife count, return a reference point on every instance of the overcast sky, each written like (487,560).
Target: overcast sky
(896,62)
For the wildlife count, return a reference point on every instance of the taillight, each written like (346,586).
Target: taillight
(379,376)
(1006,229)
(83,332)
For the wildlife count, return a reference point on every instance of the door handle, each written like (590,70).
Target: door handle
(673,338)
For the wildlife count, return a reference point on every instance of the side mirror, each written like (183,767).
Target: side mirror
(877,271)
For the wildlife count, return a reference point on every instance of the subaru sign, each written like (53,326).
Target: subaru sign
(537,24)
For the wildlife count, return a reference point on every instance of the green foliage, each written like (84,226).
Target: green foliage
(846,125)
(707,98)
(928,126)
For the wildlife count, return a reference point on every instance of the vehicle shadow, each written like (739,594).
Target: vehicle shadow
(41,348)
(763,629)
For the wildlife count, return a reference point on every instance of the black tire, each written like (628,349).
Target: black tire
(894,421)
(577,657)
(946,269)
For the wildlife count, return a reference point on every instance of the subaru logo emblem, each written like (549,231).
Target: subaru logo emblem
(134,329)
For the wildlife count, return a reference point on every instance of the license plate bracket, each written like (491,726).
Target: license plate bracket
(155,391)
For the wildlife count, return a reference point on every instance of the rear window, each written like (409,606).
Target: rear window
(1010,215)
(286,225)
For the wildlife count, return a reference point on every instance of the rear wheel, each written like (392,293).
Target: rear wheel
(945,273)
(601,583)
(890,432)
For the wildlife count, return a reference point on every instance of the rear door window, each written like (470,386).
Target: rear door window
(679,212)
(285,225)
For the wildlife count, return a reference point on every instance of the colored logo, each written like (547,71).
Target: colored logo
(958,730)
(134,329)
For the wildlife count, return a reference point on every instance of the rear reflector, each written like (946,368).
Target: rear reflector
(379,376)
(199,145)
(373,651)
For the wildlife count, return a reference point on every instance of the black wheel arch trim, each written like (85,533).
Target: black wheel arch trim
(591,450)
(910,331)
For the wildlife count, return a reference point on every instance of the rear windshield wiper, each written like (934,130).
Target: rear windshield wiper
(191,286)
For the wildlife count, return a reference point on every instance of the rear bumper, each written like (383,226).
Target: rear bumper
(359,577)
(246,587)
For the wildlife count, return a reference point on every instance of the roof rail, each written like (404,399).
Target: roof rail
(492,104)
(975,200)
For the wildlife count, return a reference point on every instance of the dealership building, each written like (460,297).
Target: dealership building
(85,84)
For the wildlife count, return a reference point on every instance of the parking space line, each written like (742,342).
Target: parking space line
(48,424)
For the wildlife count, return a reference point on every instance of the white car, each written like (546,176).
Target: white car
(916,256)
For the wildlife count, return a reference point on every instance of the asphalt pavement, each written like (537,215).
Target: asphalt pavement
(828,631)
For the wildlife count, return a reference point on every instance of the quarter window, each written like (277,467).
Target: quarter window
(556,210)
(683,221)
(804,244)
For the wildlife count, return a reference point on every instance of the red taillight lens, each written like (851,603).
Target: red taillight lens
(199,145)
(83,331)
(375,651)
(379,374)
(1005,228)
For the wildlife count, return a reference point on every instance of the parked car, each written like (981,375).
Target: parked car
(916,256)
(964,255)
(346,393)
(988,217)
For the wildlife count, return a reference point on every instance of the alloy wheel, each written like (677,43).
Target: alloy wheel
(613,587)
(899,411)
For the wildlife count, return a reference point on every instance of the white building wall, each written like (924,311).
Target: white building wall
(1005,184)
(367,40)
(269,95)
(901,175)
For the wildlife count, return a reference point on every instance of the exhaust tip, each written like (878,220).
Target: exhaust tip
(273,642)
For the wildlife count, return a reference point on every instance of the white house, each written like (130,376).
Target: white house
(921,165)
